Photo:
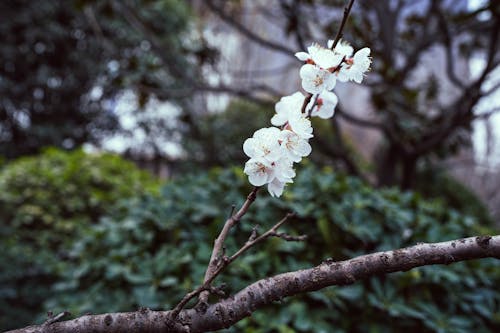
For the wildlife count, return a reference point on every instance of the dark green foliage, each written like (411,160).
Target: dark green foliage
(437,183)
(153,250)
(54,53)
(50,60)
(46,203)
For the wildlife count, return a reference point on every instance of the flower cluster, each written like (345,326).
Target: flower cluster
(324,66)
(273,150)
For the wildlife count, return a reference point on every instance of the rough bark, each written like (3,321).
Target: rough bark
(229,311)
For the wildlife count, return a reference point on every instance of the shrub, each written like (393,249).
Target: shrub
(154,250)
(436,183)
(46,203)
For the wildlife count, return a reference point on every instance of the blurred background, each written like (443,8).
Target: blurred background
(121,131)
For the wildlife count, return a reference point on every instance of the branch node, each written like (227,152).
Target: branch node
(219,291)
(231,212)
(144,310)
(53,319)
(253,235)
(483,241)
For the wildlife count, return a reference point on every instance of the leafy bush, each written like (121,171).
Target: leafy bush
(435,183)
(46,202)
(154,250)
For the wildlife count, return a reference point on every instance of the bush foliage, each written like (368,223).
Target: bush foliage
(153,250)
(46,204)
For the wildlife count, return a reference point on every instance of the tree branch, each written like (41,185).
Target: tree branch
(448,47)
(252,241)
(219,241)
(219,11)
(229,311)
(347,10)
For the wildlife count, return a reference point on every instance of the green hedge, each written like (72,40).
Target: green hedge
(154,250)
(438,184)
(46,203)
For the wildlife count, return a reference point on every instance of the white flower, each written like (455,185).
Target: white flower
(320,56)
(323,57)
(259,171)
(287,108)
(272,150)
(354,68)
(303,56)
(342,48)
(307,56)
(325,105)
(276,187)
(294,146)
(264,143)
(283,170)
(315,79)
(283,173)
(300,126)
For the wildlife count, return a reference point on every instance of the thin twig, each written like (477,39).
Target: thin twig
(267,234)
(231,213)
(289,238)
(312,106)
(221,265)
(347,10)
(219,11)
(53,319)
(219,241)
(307,99)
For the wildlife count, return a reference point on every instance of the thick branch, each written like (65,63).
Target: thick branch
(229,311)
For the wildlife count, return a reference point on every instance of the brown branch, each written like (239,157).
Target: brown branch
(225,261)
(448,47)
(219,241)
(258,93)
(219,11)
(307,99)
(359,121)
(52,319)
(229,311)
(347,10)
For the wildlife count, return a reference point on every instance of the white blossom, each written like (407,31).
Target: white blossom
(324,106)
(287,108)
(272,150)
(342,48)
(283,170)
(315,79)
(302,56)
(300,126)
(323,57)
(263,144)
(354,68)
(294,146)
(259,171)
(276,187)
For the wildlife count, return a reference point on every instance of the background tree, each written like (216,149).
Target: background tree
(422,97)
(148,251)
(65,64)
